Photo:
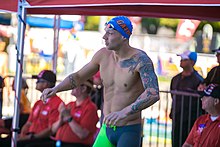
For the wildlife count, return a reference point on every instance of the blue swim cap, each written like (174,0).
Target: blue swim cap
(121,24)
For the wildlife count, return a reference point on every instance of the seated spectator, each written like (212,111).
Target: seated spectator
(43,115)
(77,120)
(206,131)
(25,106)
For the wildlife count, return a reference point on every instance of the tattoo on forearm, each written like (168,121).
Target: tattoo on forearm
(148,98)
(72,82)
(135,107)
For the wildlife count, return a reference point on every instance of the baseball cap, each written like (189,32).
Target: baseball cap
(188,55)
(121,24)
(216,50)
(47,75)
(212,90)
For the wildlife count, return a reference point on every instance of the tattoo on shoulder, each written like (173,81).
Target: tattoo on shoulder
(72,82)
(147,74)
(134,61)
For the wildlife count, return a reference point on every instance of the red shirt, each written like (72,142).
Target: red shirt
(86,116)
(205,132)
(44,115)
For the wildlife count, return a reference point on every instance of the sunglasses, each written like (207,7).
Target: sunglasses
(41,81)
(184,60)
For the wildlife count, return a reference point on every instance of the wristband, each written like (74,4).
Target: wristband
(69,119)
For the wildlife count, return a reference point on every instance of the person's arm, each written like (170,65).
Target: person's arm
(25,129)
(75,79)
(56,126)
(65,117)
(82,129)
(78,130)
(43,134)
(27,125)
(75,127)
(59,122)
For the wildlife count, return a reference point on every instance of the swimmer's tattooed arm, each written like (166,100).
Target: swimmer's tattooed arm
(149,80)
(72,81)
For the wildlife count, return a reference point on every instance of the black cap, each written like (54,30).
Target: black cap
(47,75)
(212,90)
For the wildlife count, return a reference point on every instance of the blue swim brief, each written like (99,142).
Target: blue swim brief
(112,136)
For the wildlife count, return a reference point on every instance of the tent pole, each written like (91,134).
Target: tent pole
(56,41)
(20,46)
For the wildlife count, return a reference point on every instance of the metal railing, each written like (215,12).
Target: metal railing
(158,125)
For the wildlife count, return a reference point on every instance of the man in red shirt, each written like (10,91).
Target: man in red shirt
(43,115)
(206,130)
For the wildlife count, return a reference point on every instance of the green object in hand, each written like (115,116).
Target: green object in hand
(102,139)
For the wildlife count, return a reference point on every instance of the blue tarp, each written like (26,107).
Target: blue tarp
(48,22)
(5,20)
(40,22)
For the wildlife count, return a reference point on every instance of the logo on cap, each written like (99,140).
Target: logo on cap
(124,27)
(209,89)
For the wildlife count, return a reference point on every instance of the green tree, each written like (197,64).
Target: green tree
(169,23)
(151,25)
(92,23)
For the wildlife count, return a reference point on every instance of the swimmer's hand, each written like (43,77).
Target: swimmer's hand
(48,93)
(115,118)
